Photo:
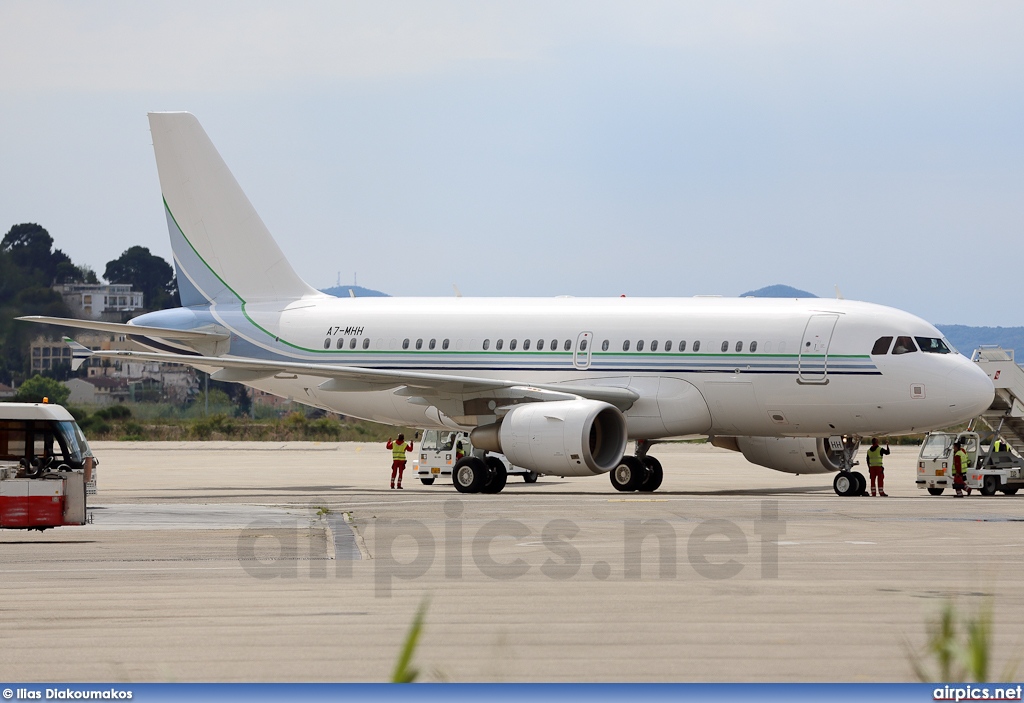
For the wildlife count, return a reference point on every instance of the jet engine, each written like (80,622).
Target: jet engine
(792,455)
(561,437)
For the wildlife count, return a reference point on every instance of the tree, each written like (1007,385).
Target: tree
(146,272)
(38,387)
(30,247)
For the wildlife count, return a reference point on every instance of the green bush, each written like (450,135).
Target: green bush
(38,387)
(115,412)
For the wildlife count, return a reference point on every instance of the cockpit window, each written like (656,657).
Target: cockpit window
(933,345)
(904,345)
(881,345)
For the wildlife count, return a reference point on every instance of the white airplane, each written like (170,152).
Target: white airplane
(557,385)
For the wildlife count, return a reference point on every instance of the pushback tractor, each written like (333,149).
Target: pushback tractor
(46,467)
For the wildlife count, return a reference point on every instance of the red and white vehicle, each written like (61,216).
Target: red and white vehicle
(45,466)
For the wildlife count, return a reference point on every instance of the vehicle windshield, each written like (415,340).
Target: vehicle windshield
(936,446)
(77,445)
(429,442)
(933,345)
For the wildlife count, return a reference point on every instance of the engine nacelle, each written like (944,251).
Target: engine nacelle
(792,455)
(561,438)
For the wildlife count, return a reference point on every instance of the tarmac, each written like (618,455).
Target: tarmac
(255,562)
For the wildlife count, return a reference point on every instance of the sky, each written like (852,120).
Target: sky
(548,148)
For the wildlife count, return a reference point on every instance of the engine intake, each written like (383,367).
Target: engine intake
(562,437)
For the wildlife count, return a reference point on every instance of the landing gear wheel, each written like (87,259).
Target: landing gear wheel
(654,475)
(498,477)
(629,474)
(470,474)
(427,481)
(845,484)
(990,485)
(1010,491)
(936,491)
(862,483)
(530,476)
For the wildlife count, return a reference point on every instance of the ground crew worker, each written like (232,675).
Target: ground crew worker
(398,450)
(1000,446)
(460,448)
(875,468)
(960,462)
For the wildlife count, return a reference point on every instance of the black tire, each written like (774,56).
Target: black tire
(862,483)
(654,477)
(531,476)
(497,476)
(470,474)
(936,491)
(990,485)
(629,474)
(1010,491)
(427,481)
(845,484)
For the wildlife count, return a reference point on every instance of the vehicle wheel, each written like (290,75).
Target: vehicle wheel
(470,474)
(990,485)
(654,476)
(862,483)
(936,490)
(497,476)
(1010,491)
(629,474)
(531,476)
(427,481)
(844,484)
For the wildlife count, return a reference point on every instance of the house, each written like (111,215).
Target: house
(112,302)
(99,390)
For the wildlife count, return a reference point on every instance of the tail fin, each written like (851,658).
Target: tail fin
(223,253)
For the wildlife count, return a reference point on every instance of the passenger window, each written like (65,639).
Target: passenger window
(696,346)
(554,344)
(433,343)
(327,343)
(512,345)
(682,346)
(499,344)
(625,345)
(419,343)
(725,346)
(366,343)
(604,345)
(487,344)
(668,346)
(654,345)
(444,344)
(583,345)
(640,345)
(540,345)
(341,343)
(753,347)
(881,345)
(568,344)
(526,345)
(739,346)
(405,344)
(903,345)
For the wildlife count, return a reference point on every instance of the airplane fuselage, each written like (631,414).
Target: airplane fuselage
(719,366)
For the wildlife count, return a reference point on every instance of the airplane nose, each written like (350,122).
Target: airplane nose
(970,391)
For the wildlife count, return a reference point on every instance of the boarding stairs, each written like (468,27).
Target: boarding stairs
(1006,414)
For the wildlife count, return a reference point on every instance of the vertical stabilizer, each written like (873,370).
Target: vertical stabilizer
(223,252)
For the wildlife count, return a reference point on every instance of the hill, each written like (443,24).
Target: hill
(778,291)
(360,292)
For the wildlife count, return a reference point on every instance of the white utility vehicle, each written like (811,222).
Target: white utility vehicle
(987,471)
(440,449)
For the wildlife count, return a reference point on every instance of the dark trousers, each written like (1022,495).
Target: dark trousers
(877,474)
(397,468)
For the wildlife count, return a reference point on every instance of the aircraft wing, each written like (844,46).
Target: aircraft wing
(121,328)
(356,379)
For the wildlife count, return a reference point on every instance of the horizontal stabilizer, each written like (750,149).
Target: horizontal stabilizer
(79,354)
(121,328)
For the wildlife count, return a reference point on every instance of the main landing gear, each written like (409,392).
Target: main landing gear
(848,482)
(474,474)
(638,473)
